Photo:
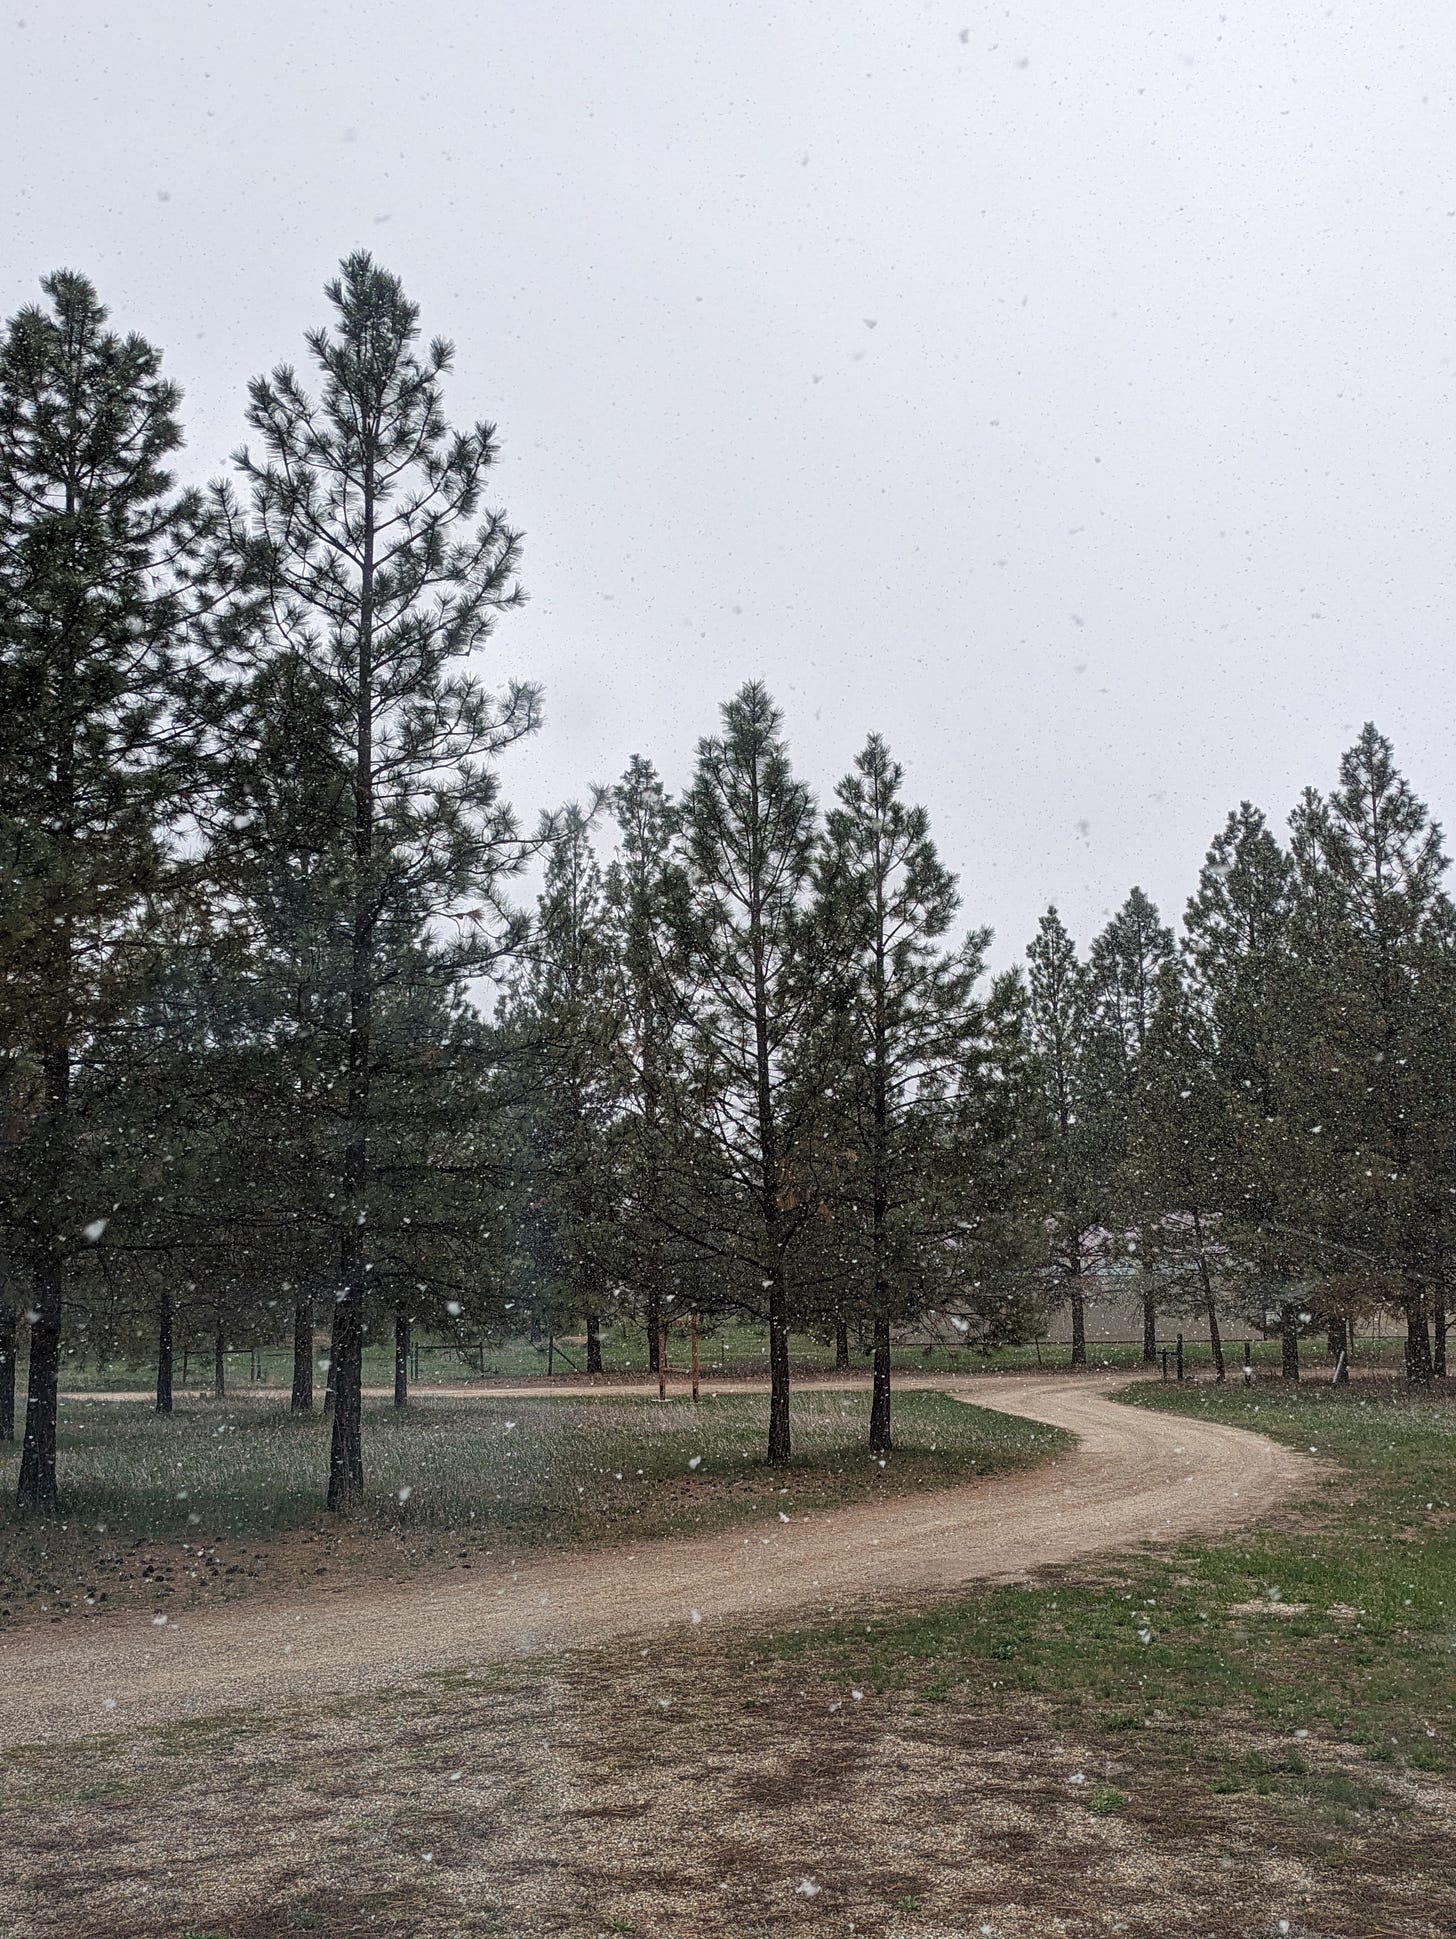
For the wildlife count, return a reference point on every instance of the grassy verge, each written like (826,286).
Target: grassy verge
(1340,1618)
(218,1499)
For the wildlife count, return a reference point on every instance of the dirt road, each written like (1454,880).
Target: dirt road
(1134,1477)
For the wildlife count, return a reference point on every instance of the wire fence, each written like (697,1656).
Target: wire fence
(742,1353)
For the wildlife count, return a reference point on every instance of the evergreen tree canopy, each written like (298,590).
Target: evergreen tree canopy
(101,565)
(754,979)
(900,1042)
(385,575)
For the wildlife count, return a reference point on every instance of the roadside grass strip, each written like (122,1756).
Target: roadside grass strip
(1336,1618)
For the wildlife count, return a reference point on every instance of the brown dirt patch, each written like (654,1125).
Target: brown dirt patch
(688,1792)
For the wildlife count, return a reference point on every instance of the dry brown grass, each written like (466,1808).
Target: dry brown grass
(691,1792)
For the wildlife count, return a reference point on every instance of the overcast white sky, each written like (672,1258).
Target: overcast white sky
(1063,390)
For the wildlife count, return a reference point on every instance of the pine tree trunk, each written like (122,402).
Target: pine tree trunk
(880,1401)
(654,1328)
(302,1398)
(346,1447)
(1079,1324)
(333,1360)
(401,1357)
(1418,1338)
(780,1437)
(36,1486)
(1210,1302)
(164,1353)
(594,1343)
(1215,1339)
(1439,1323)
(1150,1329)
(841,1346)
(9,1368)
(1339,1345)
(346,1450)
(219,1363)
(1289,1340)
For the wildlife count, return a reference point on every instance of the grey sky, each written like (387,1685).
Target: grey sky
(1064,391)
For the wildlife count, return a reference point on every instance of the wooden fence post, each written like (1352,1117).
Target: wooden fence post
(694,1323)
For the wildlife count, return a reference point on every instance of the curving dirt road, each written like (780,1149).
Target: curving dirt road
(1135,1477)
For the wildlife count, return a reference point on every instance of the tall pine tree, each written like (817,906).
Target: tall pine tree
(904,1032)
(643,890)
(1179,1161)
(387,576)
(98,556)
(1122,976)
(1081,1180)
(1358,1084)
(745,1174)
(566,1016)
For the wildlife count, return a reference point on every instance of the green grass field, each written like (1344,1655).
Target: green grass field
(221,1496)
(1338,1619)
